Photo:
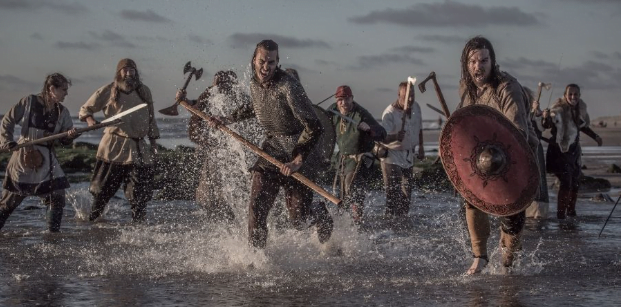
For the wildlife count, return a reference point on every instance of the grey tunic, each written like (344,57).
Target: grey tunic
(36,123)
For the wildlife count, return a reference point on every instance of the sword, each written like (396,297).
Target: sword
(345,117)
(131,110)
(114,120)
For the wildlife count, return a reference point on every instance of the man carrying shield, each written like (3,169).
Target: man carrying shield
(483,84)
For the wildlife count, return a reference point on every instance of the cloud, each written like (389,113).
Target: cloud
(78,45)
(413,49)
(371,61)
(325,63)
(449,14)
(600,55)
(589,75)
(15,83)
(32,5)
(522,62)
(241,40)
(148,16)
(446,39)
(617,55)
(36,35)
(199,39)
(113,38)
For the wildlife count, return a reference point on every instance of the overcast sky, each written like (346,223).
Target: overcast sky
(369,45)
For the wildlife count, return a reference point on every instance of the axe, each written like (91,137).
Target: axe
(541,86)
(407,103)
(421,87)
(172,110)
(256,149)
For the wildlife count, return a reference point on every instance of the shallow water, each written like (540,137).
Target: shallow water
(180,258)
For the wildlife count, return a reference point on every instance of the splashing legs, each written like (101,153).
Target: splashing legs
(8,203)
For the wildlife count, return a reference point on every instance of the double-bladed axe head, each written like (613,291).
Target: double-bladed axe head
(172,110)
(189,69)
(547,86)
(421,86)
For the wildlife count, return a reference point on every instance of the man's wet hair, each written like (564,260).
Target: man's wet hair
(267,45)
(478,43)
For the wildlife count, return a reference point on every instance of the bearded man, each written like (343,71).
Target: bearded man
(293,130)
(567,166)
(355,141)
(123,156)
(483,83)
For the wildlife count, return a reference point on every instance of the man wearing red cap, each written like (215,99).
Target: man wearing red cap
(397,165)
(123,156)
(356,134)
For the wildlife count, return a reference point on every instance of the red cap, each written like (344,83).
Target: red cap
(343,91)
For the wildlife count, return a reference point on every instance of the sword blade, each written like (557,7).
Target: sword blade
(131,110)
(345,117)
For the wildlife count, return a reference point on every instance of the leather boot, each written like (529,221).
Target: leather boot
(139,210)
(509,245)
(54,218)
(571,204)
(4,215)
(97,209)
(321,218)
(562,203)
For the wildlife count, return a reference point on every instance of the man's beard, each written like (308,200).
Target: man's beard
(127,84)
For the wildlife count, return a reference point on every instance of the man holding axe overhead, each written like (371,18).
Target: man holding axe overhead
(34,170)
(356,134)
(293,130)
(403,121)
(123,156)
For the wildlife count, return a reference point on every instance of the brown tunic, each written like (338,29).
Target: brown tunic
(124,143)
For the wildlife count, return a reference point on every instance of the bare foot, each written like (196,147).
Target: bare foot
(477,266)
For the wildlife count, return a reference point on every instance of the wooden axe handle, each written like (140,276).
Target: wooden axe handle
(445,108)
(301,178)
(187,81)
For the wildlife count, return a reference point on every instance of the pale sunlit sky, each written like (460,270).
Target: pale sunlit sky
(369,45)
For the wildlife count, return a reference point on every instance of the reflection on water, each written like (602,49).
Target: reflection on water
(180,257)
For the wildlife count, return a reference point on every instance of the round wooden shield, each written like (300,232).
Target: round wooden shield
(489,161)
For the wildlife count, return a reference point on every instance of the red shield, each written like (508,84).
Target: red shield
(488,160)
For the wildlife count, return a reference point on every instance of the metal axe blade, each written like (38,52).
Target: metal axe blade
(198,74)
(187,67)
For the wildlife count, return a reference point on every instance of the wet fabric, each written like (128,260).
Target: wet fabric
(398,184)
(402,153)
(265,187)
(36,122)
(55,203)
(137,181)
(124,143)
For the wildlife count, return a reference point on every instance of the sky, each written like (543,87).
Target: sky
(368,45)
